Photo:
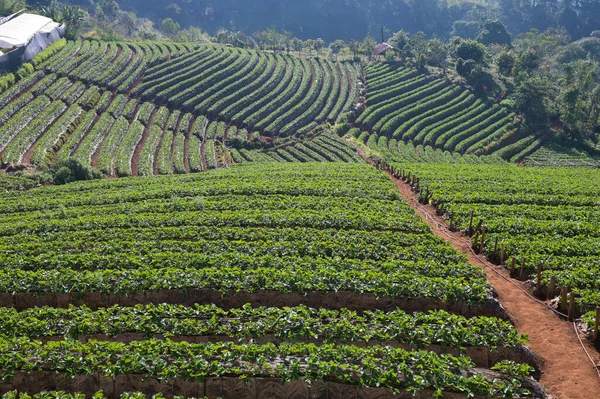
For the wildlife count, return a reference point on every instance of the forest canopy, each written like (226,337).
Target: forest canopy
(354,19)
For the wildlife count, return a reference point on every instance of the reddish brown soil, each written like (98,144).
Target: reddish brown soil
(27,155)
(567,373)
(96,155)
(186,144)
(135,160)
(164,136)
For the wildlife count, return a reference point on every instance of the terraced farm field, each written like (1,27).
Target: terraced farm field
(122,107)
(404,105)
(265,279)
(542,216)
(394,150)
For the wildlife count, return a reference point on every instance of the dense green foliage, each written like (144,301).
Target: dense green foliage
(393,150)
(407,106)
(98,103)
(545,216)
(213,205)
(290,324)
(269,229)
(333,19)
(376,366)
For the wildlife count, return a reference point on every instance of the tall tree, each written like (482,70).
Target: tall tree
(580,98)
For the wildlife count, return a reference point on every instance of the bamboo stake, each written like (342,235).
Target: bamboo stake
(551,288)
(481,246)
(571,314)
(539,277)
(522,274)
(502,254)
(471,224)
(512,265)
(597,325)
(563,298)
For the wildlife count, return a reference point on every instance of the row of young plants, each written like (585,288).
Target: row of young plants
(215,79)
(317,201)
(423,110)
(419,330)
(183,256)
(324,148)
(393,150)
(553,155)
(230,75)
(21,142)
(112,65)
(161,77)
(21,119)
(181,88)
(381,367)
(253,66)
(543,216)
(56,135)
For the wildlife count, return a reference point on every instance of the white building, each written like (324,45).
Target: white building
(23,36)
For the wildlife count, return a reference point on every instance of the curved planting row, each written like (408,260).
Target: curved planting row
(112,65)
(412,107)
(275,94)
(393,150)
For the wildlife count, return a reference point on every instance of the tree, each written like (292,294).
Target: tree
(400,40)
(309,45)
(110,8)
(494,32)
(368,46)
(465,29)
(169,26)
(470,50)
(580,99)
(297,45)
(506,63)
(8,7)
(417,45)
(354,46)
(193,34)
(73,18)
(437,54)
(336,47)
(531,101)
(319,44)
(52,11)
(569,19)
(129,22)
(527,62)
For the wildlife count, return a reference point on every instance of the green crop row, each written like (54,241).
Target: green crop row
(299,323)
(544,216)
(383,367)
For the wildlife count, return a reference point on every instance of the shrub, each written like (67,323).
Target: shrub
(71,170)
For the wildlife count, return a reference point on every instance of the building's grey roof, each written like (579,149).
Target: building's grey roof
(383,47)
(18,31)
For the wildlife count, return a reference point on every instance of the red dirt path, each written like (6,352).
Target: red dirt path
(567,373)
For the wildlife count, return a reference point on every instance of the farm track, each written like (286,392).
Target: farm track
(567,373)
